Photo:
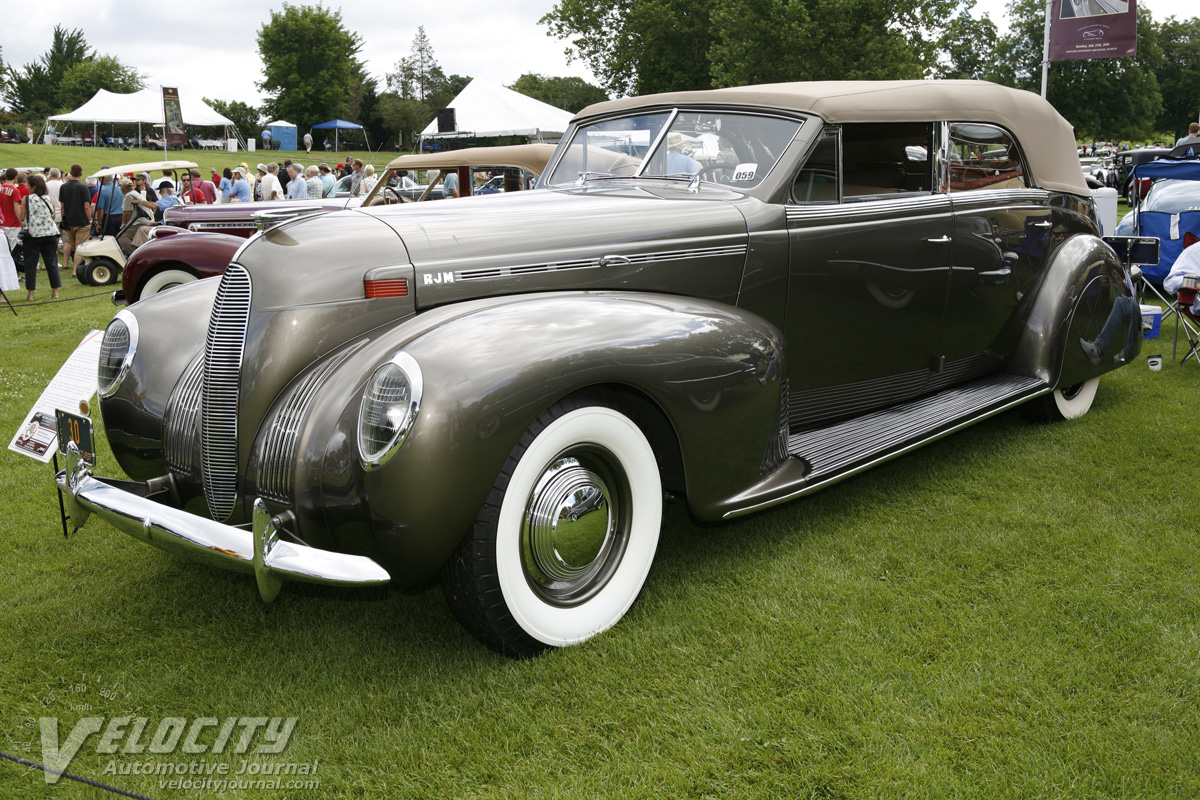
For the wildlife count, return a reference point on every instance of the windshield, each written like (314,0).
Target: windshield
(725,147)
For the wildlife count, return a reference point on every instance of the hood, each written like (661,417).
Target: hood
(656,238)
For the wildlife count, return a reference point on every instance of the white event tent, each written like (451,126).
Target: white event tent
(139,107)
(485,108)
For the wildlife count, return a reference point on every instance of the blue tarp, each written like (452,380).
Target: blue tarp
(1188,170)
(1169,228)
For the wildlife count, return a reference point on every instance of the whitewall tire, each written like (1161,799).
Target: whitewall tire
(563,546)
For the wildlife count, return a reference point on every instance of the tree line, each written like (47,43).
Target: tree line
(312,69)
(646,46)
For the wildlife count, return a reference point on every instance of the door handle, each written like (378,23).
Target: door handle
(613,261)
(1043,224)
(939,240)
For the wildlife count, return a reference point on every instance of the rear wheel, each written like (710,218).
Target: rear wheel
(563,545)
(1068,402)
(161,281)
(99,272)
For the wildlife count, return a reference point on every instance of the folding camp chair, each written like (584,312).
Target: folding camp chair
(1190,320)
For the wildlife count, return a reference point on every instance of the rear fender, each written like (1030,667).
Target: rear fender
(1079,290)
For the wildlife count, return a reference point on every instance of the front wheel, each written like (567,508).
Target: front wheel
(1069,402)
(564,542)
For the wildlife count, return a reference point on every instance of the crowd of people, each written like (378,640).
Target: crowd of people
(41,210)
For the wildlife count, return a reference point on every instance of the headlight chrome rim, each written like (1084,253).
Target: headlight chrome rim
(374,457)
(125,317)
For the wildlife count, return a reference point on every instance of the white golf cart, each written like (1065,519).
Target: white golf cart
(101,257)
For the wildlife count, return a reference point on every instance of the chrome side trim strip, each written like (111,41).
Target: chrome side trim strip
(867,209)
(1000,197)
(487,273)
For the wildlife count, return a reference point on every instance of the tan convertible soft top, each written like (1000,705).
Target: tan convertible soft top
(532,157)
(1047,139)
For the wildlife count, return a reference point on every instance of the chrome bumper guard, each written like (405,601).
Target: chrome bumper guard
(259,550)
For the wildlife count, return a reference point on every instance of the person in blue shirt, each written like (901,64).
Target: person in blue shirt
(677,162)
(327,181)
(297,188)
(240,191)
(166,198)
(109,200)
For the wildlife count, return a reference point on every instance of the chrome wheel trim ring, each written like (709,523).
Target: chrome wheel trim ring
(574,527)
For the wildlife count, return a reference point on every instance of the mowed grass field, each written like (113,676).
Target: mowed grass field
(1012,612)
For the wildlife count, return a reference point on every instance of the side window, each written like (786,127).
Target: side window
(886,158)
(817,179)
(981,156)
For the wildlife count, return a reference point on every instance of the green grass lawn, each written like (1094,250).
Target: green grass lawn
(1012,612)
(93,159)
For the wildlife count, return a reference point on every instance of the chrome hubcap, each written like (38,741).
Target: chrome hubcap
(572,533)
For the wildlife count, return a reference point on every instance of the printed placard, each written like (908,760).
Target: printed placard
(75,383)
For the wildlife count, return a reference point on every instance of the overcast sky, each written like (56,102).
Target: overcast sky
(209,47)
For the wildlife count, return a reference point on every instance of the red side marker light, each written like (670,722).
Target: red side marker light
(390,287)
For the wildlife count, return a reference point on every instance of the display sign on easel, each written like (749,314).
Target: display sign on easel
(71,390)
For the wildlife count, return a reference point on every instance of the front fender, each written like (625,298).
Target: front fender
(1078,292)
(491,367)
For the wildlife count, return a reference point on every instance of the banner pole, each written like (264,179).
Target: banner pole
(1046,49)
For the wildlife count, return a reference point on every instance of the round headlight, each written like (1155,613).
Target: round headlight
(116,351)
(389,408)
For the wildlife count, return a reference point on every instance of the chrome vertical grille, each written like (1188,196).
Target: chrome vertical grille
(181,422)
(277,448)
(219,404)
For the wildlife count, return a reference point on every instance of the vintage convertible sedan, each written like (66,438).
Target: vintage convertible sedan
(737,297)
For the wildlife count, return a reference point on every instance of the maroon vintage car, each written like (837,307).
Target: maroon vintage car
(172,257)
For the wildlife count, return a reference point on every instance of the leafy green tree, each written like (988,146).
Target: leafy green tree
(825,39)
(1179,74)
(969,48)
(671,45)
(638,46)
(1104,98)
(417,88)
(81,82)
(245,117)
(568,93)
(311,67)
(403,117)
(66,76)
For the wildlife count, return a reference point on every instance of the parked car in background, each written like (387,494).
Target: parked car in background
(1126,160)
(166,261)
(737,297)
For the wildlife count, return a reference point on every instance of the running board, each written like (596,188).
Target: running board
(826,455)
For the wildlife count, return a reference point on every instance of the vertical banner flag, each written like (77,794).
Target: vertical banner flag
(175,135)
(1081,29)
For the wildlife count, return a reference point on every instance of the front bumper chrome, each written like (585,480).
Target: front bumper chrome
(259,550)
